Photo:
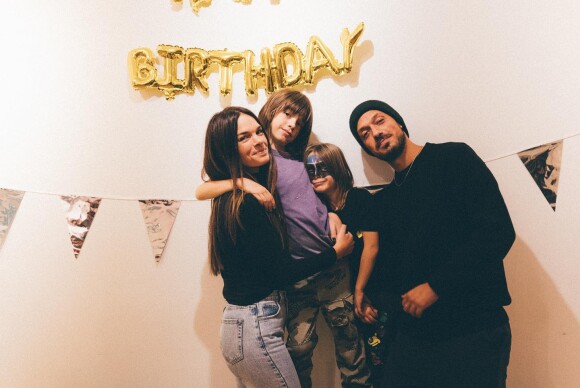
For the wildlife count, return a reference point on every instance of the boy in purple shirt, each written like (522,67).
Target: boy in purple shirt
(305,216)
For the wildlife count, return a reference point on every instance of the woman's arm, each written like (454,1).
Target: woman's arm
(367,262)
(212,189)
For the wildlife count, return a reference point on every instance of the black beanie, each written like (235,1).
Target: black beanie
(364,107)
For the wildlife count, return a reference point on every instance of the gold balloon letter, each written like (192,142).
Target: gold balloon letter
(251,73)
(142,68)
(196,65)
(197,4)
(283,66)
(226,60)
(267,67)
(318,56)
(281,52)
(348,41)
(170,84)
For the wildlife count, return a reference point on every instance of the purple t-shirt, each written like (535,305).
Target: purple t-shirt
(305,215)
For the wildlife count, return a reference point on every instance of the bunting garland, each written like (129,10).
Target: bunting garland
(9,203)
(80,213)
(543,162)
(159,216)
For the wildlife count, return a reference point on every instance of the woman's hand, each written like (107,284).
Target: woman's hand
(344,242)
(260,192)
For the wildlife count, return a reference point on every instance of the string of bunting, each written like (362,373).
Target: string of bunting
(542,162)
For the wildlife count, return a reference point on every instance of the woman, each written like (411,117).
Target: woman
(247,247)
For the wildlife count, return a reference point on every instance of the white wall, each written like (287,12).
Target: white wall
(501,76)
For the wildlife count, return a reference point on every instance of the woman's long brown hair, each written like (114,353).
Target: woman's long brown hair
(221,161)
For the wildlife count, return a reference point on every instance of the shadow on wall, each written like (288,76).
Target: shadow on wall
(376,171)
(546,336)
(207,322)
(363,52)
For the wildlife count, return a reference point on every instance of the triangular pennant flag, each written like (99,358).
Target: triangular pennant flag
(9,203)
(159,216)
(544,163)
(80,213)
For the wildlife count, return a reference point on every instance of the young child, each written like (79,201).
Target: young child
(332,179)
(287,118)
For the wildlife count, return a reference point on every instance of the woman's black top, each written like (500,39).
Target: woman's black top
(257,264)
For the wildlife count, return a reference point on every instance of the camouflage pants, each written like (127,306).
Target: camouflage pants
(330,291)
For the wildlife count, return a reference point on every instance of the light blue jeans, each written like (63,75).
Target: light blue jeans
(252,343)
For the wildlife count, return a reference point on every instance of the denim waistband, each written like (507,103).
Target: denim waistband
(276,296)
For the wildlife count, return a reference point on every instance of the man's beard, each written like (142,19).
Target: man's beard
(396,151)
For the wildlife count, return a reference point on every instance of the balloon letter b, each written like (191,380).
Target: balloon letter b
(142,68)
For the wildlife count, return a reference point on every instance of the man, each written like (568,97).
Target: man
(445,231)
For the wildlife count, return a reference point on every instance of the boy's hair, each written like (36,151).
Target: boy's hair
(337,167)
(298,104)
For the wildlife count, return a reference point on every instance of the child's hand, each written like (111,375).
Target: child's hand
(369,313)
(344,243)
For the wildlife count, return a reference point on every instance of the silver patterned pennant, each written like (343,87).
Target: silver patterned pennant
(80,213)
(159,216)
(9,203)
(544,163)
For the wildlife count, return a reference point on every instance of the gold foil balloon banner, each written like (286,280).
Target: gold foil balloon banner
(197,4)
(282,66)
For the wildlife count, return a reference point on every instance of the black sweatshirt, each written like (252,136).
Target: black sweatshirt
(257,264)
(447,224)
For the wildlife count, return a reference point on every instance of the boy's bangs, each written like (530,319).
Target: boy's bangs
(296,108)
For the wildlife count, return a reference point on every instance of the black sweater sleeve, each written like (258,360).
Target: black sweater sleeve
(259,238)
(490,233)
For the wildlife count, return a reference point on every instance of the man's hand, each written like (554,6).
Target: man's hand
(260,192)
(417,300)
